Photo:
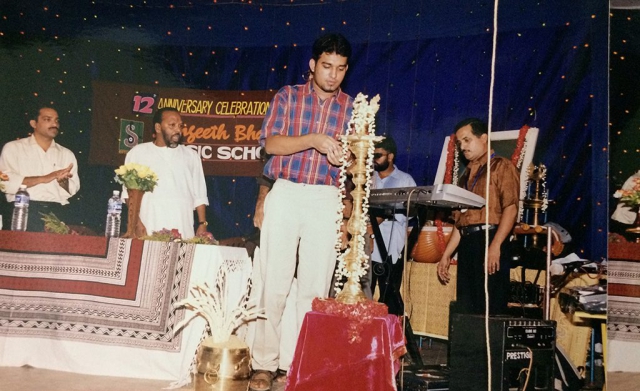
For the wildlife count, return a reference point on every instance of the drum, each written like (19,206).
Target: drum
(427,249)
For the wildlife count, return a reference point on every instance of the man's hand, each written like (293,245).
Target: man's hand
(62,176)
(443,269)
(493,261)
(328,146)
(258,216)
(201,229)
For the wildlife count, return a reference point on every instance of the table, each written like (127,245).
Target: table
(92,306)
(623,307)
(596,318)
(327,357)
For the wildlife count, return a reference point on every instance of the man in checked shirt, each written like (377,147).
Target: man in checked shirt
(301,131)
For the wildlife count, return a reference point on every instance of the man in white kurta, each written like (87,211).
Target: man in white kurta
(181,185)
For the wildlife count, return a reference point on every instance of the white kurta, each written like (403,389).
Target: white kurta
(181,187)
(25,158)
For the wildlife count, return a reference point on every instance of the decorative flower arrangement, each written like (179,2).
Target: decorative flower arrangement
(630,197)
(53,224)
(164,235)
(173,235)
(203,238)
(211,304)
(361,124)
(3,177)
(136,176)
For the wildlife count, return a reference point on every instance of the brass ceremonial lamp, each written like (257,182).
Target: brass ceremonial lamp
(359,143)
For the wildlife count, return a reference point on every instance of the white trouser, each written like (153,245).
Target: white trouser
(289,320)
(300,220)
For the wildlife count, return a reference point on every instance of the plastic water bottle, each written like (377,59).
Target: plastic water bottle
(114,210)
(20,210)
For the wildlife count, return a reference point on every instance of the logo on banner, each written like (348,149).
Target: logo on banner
(130,134)
(143,103)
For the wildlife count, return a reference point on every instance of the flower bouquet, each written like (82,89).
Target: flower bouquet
(630,196)
(138,179)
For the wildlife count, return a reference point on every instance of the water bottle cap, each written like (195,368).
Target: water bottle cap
(116,192)
(23,187)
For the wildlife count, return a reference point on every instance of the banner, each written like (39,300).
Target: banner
(223,127)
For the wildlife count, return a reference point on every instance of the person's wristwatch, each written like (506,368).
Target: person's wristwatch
(205,223)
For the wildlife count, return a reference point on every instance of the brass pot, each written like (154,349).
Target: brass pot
(227,360)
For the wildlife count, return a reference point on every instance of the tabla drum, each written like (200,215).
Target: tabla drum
(427,249)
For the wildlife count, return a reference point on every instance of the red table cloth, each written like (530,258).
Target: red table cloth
(328,358)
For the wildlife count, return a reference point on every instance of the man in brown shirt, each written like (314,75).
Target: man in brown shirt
(468,235)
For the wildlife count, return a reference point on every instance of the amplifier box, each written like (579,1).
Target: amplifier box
(514,343)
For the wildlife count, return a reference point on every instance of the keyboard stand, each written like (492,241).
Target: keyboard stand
(393,299)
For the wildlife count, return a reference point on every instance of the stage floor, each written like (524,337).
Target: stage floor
(33,379)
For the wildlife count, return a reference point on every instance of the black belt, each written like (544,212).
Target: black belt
(469,229)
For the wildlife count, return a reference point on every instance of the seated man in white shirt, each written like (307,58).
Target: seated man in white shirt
(49,170)
(387,272)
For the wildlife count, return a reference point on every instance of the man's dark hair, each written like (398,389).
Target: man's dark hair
(388,144)
(478,127)
(332,43)
(34,112)
(157,117)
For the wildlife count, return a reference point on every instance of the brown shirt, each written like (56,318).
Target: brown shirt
(504,190)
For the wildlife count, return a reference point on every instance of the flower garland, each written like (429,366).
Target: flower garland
(451,160)
(442,244)
(450,177)
(518,157)
(362,123)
